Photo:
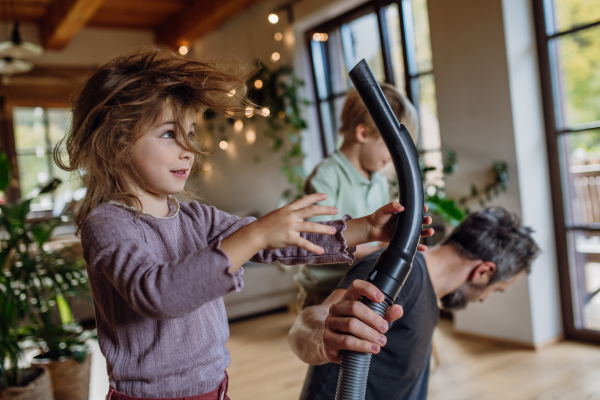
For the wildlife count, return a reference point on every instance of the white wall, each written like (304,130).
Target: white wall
(489,109)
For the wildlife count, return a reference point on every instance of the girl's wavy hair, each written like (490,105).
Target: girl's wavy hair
(127,96)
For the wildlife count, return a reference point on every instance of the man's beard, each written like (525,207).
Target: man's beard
(465,293)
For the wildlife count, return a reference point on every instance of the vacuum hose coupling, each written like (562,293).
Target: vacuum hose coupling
(394,264)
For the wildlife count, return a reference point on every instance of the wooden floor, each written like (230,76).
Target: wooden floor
(263,367)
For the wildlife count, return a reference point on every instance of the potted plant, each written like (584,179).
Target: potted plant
(41,280)
(31,383)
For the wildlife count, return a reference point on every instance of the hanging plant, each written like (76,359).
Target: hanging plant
(280,103)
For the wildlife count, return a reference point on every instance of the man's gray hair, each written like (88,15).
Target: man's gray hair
(496,235)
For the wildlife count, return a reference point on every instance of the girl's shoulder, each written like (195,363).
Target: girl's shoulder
(107,221)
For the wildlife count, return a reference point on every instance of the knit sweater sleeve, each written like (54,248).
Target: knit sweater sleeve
(153,287)
(221,225)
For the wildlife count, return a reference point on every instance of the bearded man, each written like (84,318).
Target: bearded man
(488,252)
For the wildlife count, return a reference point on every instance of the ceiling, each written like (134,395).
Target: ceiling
(175,22)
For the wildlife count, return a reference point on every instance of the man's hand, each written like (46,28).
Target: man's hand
(379,226)
(351,325)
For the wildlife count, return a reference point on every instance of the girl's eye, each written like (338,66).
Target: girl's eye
(168,135)
(191,135)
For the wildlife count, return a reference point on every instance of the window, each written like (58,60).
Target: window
(568,34)
(36,131)
(393,37)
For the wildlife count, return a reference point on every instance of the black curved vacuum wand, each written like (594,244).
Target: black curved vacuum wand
(394,264)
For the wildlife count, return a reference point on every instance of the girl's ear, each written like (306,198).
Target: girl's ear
(482,273)
(361,133)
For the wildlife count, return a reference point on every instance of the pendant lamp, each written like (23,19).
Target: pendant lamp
(16,48)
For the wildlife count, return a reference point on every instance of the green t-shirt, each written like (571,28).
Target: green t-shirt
(346,188)
(352,194)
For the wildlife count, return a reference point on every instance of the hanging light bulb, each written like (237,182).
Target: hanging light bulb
(238,125)
(278,36)
(265,112)
(249,112)
(223,144)
(250,136)
(17,48)
(183,50)
(258,84)
(275,57)
(273,18)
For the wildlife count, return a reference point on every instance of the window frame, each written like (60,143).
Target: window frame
(409,55)
(558,180)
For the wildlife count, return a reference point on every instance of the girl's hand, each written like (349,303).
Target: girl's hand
(282,227)
(383,222)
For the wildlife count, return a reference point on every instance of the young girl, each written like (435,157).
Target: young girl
(158,268)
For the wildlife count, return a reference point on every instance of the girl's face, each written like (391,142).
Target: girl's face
(160,161)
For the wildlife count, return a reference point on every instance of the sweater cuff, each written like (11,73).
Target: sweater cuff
(234,278)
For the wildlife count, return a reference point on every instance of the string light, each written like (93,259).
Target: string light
(232,93)
(273,18)
(238,125)
(265,112)
(320,37)
(275,57)
(223,144)
(250,136)
(207,166)
(278,36)
(183,50)
(258,84)
(249,112)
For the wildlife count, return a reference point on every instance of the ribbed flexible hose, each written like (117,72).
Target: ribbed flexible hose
(394,264)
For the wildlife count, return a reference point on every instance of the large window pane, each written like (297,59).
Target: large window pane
(361,40)
(585,278)
(578,74)
(422,40)
(37,131)
(393,26)
(572,13)
(581,151)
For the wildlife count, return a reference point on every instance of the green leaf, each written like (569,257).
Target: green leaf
(43,230)
(4,172)
(64,310)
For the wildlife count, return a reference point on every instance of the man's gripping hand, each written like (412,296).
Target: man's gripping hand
(351,325)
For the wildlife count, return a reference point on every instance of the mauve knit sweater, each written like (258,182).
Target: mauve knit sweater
(158,284)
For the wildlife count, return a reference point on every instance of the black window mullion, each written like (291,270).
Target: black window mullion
(385,43)
(409,52)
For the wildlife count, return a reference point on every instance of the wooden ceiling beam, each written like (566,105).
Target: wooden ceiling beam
(200,18)
(64,19)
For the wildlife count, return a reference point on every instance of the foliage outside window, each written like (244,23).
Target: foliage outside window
(37,130)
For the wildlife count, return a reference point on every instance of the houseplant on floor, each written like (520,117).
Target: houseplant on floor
(41,280)
(16,383)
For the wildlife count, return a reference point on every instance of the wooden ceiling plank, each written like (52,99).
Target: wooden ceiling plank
(65,18)
(202,17)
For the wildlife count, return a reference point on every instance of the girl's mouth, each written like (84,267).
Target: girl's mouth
(180,173)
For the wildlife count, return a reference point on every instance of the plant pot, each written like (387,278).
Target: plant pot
(38,388)
(70,378)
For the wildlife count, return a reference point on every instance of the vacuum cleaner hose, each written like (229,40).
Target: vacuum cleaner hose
(394,264)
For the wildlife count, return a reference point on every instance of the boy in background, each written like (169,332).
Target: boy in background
(352,180)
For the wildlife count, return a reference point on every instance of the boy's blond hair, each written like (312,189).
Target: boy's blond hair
(355,112)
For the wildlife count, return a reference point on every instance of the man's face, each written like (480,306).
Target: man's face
(469,292)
